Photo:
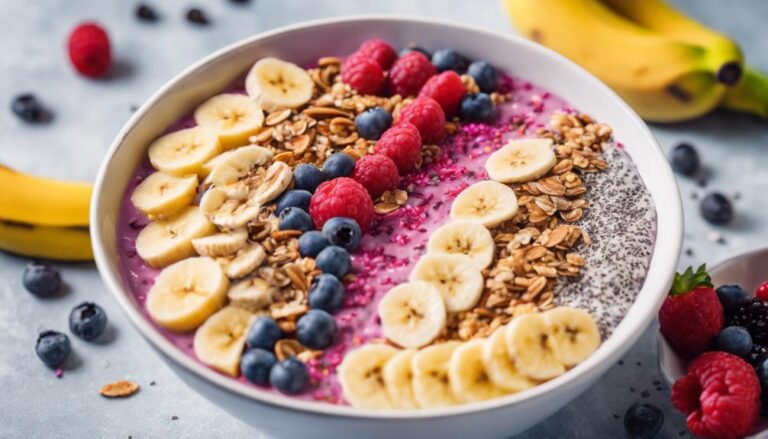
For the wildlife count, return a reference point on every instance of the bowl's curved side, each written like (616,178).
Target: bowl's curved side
(301,44)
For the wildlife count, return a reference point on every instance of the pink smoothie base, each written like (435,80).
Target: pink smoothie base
(389,251)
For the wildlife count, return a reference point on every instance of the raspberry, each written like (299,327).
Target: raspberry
(362,74)
(720,395)
(377,173)
(762,291)
(379,51)
(402,144)
(341,197)
(409,73)
(427,116)
(89,50)
(447,89)
(691,316)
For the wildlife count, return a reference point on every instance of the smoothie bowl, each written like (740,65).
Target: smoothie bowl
(323,235)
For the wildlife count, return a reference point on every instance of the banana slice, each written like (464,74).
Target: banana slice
(228,212)
(237,164)
(488,202)
(574,334)
(456,277)
(233,117)
(169,240)
(185,151)
(431,385)
(469,238)
(161,195)
(412,314)
(277,84)
(221,244)
(360,376)
(521,160)
(186,293)
(398,379)
(253,294)
(220,341)
(466,373)
(530,343)
(279,176)
(500,366)
(244,262)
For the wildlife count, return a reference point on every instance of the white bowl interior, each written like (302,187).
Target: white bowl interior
(305,43)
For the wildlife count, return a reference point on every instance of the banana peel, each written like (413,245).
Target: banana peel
(750,95)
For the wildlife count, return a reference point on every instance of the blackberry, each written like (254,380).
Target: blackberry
(757,355)
(754,317)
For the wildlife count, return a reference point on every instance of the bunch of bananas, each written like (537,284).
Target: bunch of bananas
(42,218)
(667,66)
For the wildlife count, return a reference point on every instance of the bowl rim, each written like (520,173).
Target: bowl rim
(626,333)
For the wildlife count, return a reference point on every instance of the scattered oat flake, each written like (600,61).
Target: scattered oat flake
(119,389)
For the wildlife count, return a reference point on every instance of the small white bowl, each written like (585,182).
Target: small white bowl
(286,417)
(746,269)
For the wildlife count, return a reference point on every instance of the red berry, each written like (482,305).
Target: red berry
(341,197)
(89,50)
(379,51)
(377,173)
(691,316)
(426,114)
(447,89)
(762,291)
(409,73)
(402,144)
(720,395)
(362,74)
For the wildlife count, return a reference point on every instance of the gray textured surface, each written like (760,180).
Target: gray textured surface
(34,404)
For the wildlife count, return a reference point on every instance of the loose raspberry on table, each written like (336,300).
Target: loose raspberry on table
(89,50)
(409,73)
(341,196)
(379,51)
(720,395)
(402,144)
(377,173)
(427,116)
(362,74)
(447,89)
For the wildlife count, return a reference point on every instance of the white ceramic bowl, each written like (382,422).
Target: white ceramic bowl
(749,271)
(286,417)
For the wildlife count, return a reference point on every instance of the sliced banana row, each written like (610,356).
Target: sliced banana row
(531,349)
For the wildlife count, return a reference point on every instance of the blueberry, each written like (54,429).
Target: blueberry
(87,321)
(338,165)
(256,365)
(145,12)
(41,279)
(485,76)
(408,49)
(447,59)
(316,329)
(197,16)
(293,218)
(295,198)
(716,208)
(29,108)
(477,108)
(643,421)
(289,376)
(334,260)
(343,232)
(735,340)
(762,374)
(685,159)
(311,243)
(263,333)
(53,348)
(372,123)
(732,297)
(308,177)
(326,293)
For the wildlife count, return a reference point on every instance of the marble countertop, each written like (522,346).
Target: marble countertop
(35,404)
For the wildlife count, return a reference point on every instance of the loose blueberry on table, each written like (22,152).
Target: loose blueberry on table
(375,230)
